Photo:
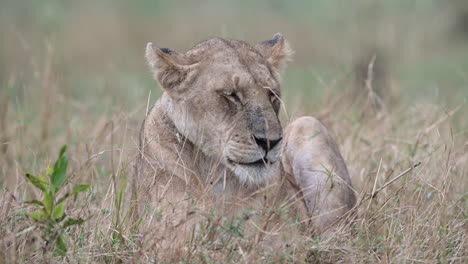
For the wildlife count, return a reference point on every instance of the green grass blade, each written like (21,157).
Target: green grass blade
(38,215)
(73,221)
(60,247)
(59,174)
(36,182)
(48,203)
(63,198)
(36,202)
(80,188)
(58,212)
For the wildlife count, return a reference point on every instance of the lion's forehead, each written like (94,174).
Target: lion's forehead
(231,57)
(210,47)
(251,77)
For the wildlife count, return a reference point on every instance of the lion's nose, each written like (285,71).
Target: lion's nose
(266,144)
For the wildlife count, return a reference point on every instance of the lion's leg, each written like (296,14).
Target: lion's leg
(312,158)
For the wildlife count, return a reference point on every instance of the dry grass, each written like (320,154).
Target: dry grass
(63,89)
(419,217)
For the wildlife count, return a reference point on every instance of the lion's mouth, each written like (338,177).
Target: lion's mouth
(253,173)
(259,162)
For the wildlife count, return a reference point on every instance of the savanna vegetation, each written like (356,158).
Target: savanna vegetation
(388,78)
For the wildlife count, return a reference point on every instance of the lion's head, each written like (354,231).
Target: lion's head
(224,97)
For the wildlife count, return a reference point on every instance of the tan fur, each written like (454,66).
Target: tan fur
(209,141)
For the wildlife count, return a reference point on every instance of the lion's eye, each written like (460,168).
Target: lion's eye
(232,96)
(274,97)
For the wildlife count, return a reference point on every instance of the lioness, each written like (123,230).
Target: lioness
(214,140)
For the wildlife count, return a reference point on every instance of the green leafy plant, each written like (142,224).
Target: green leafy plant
(49,213)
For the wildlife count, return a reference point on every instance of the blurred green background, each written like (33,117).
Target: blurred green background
(90,53)
(97,46)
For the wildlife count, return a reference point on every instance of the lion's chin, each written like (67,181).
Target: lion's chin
(254,175)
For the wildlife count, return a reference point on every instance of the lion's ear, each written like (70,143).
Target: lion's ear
(276,51)
(169,68)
